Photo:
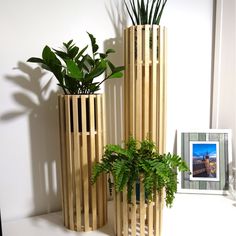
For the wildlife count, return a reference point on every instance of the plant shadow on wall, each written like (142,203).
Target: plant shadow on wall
(114,88)
(39,104)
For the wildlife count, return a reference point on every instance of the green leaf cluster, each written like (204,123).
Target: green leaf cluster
(75,69)
(141,161)
(144,12)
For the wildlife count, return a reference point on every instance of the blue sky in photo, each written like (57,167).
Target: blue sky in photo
(201,149)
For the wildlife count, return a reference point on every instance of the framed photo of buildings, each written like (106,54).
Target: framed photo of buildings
(208,154)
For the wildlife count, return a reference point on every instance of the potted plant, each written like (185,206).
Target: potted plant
(82,128)
(145,72)
(140,162)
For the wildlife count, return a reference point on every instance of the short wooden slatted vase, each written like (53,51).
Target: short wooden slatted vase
(145,83)
(140,216)
(82,136)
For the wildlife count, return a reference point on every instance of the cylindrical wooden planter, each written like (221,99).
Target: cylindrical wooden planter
(141,217)
(82,135)
(145,83)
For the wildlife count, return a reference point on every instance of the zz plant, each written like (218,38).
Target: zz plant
(158,171)
(75,69)
(144,12)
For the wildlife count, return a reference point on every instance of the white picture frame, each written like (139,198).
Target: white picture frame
(191,145)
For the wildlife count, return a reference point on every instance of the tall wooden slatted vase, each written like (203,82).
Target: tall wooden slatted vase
(82,135)
(145,117)
(145,83)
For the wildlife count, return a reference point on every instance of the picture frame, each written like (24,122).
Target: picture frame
(208,153)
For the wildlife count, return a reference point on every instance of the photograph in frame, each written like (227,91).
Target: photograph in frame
(208,154)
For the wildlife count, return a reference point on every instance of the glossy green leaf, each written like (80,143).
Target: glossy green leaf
(73,70)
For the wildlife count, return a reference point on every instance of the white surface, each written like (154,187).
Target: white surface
(29,153)
(191,214)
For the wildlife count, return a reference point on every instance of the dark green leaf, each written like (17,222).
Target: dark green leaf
(73,70)
(93,43)
(109,50)
(35,60)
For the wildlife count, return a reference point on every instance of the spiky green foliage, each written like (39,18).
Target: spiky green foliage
(75,69)
(144,12)
(158,171)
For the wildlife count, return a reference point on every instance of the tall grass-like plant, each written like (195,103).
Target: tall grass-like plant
(144,12)
(141,160)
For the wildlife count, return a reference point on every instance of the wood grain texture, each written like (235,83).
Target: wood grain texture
(140,217)
(82,138)
(145,83)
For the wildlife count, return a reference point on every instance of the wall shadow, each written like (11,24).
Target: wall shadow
(39,103)
(114,89)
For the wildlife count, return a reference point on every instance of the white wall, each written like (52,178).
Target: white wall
(224,113)
(29,154)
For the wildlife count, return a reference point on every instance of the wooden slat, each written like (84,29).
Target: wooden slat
(126,82)
(153,115)
(100,185)
(77,167)
(164,55)
(150,219)
(156,216)
(146,81)
(104,142)
(69,163)
(138,96)
(63,159)
(119,216)
(85,164)
(125,212)
(93,160)
(161,205)
(133,212)
(142,209)
(131,84)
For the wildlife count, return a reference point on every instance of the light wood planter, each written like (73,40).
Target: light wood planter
(143,218)
(82,136)
(145,83)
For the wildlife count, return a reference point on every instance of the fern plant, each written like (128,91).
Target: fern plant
(158,171)
(75,69)
(144,12)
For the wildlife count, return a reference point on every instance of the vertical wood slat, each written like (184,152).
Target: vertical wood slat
(126,93)
(63,160)
(104,142)
(145,83)
(77,167)
(119,216)
(99,154)
(93,159)
(69,164)
(160,89)
(153,113)
(157,214)
(131,89)
(148,217)
(125,212)
(85,163)
(138,84)
(133,213)
(142,209)
(78,149)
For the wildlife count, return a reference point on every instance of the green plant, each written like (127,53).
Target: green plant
(75,69)
(158,171)
(144,12)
